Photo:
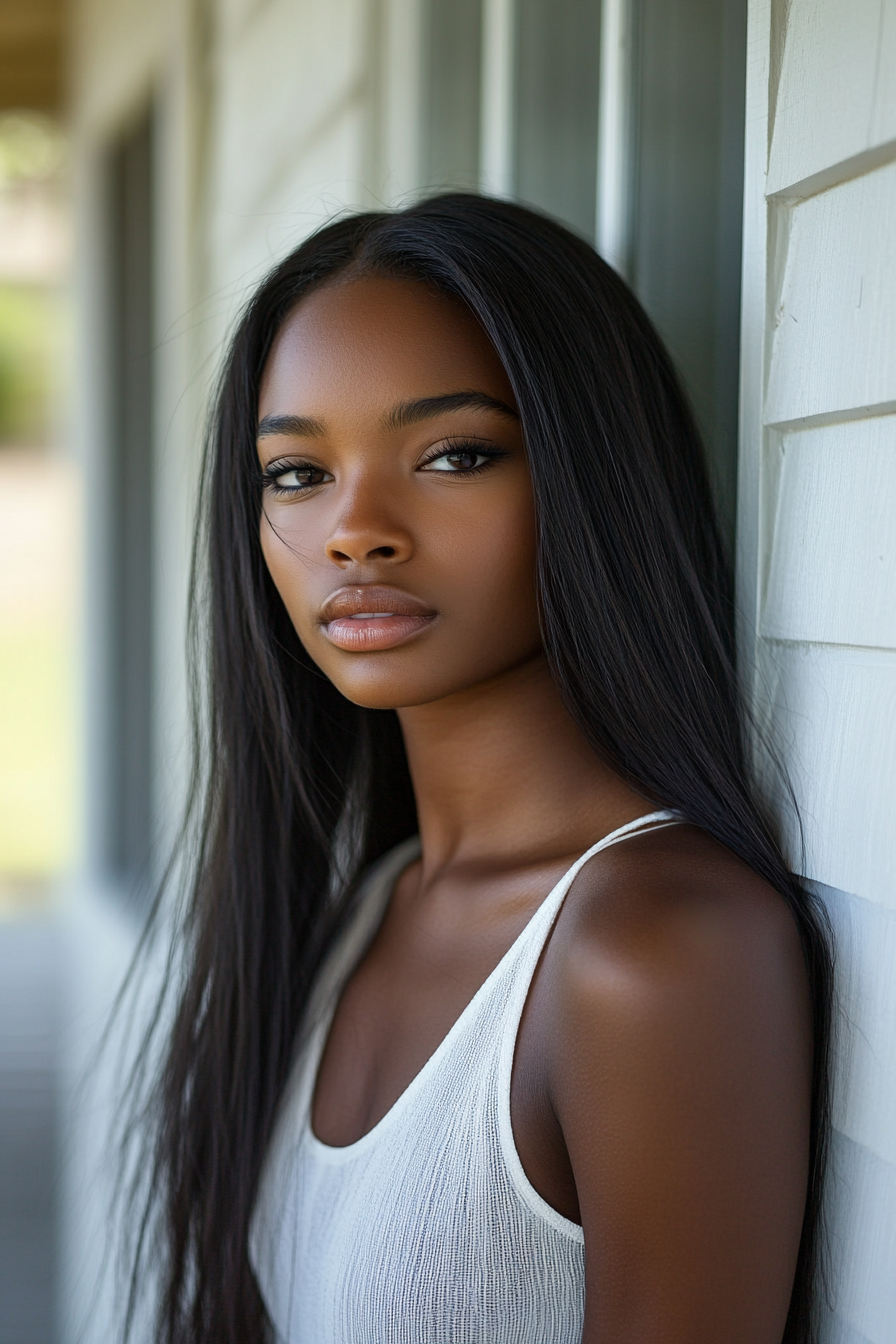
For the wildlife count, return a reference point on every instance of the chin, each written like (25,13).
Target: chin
(381,681)
(369,695)
(383,687)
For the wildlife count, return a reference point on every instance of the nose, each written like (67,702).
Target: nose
(367,531)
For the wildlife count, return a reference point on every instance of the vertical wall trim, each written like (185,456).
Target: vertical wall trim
(498,47)
(132,467)
(450,94)
(613,137)
(752,342)
(393,160)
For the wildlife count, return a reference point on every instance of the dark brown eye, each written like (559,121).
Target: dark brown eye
(292,480)
(300,476)
(464,460)
(460,459)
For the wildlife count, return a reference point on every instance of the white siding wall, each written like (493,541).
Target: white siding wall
(817,553)
(313,109)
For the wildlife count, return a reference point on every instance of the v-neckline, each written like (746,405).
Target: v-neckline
(341,975)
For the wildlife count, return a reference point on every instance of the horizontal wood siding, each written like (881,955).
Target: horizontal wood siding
(863,1245)
(834,332)
(833,711)
(832,576)
(836,98)
(819,465)
(866,939)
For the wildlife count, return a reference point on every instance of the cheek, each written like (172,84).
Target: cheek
(289,553)
(494,555)
(485,575)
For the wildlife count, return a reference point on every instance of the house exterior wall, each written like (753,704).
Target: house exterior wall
(817,551)
(271,114)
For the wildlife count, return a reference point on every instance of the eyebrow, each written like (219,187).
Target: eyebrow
(301,426)
(424,408)
(406,413)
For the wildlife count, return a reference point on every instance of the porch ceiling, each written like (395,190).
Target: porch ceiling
(31,54)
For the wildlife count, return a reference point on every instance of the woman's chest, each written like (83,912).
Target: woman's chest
(424,1218)
(421,972)
(425,1228)
(416,984)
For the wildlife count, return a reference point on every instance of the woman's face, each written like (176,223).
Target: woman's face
(398,520)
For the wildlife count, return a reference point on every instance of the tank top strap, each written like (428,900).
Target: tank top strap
(542,921)
(530,945)
(518,985)
(380,883)
(516,967)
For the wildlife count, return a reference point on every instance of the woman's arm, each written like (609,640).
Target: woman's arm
(681,1082)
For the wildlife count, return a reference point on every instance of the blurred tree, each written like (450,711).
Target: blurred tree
(31,324)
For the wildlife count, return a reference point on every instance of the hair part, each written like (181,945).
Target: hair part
(299,790)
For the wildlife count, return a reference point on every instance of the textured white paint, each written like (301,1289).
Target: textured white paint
(863,1241)
(865,1099)
(833,715)
(267,130)
(833,566)
(834,345)
(496,143)
(245,247)
(834,1330)
(836,97)
(826,473)
(400,91)
(883,113)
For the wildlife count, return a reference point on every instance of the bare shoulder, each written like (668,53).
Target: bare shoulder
(679,1068)
(674,961)
(673,911)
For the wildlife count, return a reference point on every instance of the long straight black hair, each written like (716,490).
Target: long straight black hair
(298,790)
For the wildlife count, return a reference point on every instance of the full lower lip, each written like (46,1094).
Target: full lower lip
(380,630)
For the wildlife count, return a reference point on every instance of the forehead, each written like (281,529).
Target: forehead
(377,339)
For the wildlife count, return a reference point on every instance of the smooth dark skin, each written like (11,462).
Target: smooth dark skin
(660,1091)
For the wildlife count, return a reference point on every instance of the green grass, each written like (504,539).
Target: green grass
(37,754)
(32,332)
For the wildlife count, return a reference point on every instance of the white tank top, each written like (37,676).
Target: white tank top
(426,1230)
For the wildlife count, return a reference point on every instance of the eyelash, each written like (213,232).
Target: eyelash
(274,470)
(454,447)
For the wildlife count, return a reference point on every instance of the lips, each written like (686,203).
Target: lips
(367,617)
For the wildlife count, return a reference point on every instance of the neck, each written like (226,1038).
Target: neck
(502,773)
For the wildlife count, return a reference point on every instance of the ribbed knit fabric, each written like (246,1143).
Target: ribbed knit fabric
(426,1230)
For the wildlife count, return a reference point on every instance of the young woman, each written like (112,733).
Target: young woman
(504,1019)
